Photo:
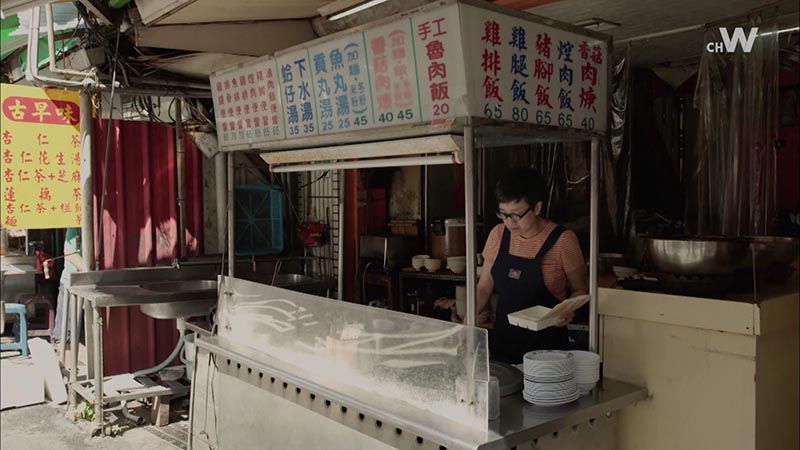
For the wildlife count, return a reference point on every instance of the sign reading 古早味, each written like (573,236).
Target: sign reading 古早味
(41,157)
(453,61)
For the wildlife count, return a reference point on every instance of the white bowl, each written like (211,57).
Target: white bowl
(624,272)
(457,268)
(433,265)
(418,261)
(456,260)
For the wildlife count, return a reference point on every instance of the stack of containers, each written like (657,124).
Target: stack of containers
(587,370)
(550,378)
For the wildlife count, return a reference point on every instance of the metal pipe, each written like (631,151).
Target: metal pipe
(470,219)
(453,158)
(229,209)
(594,244)
(98,368)
(51,46)
(175,352)
(221,193)
(32,66)
(72,309)
(87,182)
(138,420)
(180,163)
(340,243)
(62,343)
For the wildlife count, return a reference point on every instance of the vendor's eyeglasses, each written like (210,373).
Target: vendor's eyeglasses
(512,217)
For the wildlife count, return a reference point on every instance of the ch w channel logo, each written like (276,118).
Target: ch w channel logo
(730,42)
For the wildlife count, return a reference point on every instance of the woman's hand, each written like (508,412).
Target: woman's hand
(565,319)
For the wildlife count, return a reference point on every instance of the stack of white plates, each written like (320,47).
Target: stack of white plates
(587,370)
(550,378)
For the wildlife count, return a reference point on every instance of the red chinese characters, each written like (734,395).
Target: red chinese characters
(490,60)
(41,111)
(430,34)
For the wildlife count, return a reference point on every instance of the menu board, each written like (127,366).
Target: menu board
(298,94)
(41,161)
(341,75)
(440,64)
(247,104)
(390,49)
(526,72)
(455,61)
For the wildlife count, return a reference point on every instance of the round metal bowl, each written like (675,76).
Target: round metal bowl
(713,256)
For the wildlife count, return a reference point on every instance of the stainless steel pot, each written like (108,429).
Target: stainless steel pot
(712,256)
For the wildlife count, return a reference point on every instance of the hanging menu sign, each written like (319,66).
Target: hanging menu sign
(526,72)
(247,104)
(454,61)
(298,94)
(390,49)
(341,77)
(440,64)
(41,158)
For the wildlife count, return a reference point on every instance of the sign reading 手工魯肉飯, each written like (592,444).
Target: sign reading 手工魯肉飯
(433,65)
(41,158)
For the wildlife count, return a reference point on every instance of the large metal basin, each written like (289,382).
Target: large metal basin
(288,279)
(304,283)
(711,256)
(178,309)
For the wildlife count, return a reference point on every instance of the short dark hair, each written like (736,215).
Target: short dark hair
(521,183)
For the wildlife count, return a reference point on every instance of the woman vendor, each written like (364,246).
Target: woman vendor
(528,261)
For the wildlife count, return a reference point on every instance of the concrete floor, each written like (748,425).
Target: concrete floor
(45,427)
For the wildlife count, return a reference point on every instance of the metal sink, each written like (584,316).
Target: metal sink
(289,279)
(179,309)
(304,283)
(192,307)
(182,286)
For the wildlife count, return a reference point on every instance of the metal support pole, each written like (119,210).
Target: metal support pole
(74,336)
(221,196)
(594,244)
(98,368)
(231,241)
(87,182)
(88,320)
(470,219)
(181,169)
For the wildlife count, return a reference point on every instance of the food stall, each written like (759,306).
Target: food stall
(283,369)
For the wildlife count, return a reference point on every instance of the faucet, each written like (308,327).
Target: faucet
(176,263)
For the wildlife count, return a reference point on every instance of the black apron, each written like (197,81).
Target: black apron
(520,285)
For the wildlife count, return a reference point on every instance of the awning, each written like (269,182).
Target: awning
(430,150)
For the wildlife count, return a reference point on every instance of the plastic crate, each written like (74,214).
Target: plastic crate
(258,219)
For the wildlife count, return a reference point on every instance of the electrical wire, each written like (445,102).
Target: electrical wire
(108,144)
(312,182)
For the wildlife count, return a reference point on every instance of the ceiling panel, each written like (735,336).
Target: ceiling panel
(206,11)
(639,18)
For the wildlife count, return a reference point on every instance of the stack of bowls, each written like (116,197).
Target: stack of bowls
(418,262)
(587,370)
(457,264)
(549,378)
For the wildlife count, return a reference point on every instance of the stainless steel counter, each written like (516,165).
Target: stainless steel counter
(519,423)
(122,295)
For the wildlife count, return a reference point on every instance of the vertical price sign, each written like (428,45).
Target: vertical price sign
(41,158)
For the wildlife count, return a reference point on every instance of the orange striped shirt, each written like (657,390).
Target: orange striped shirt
(565,256)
